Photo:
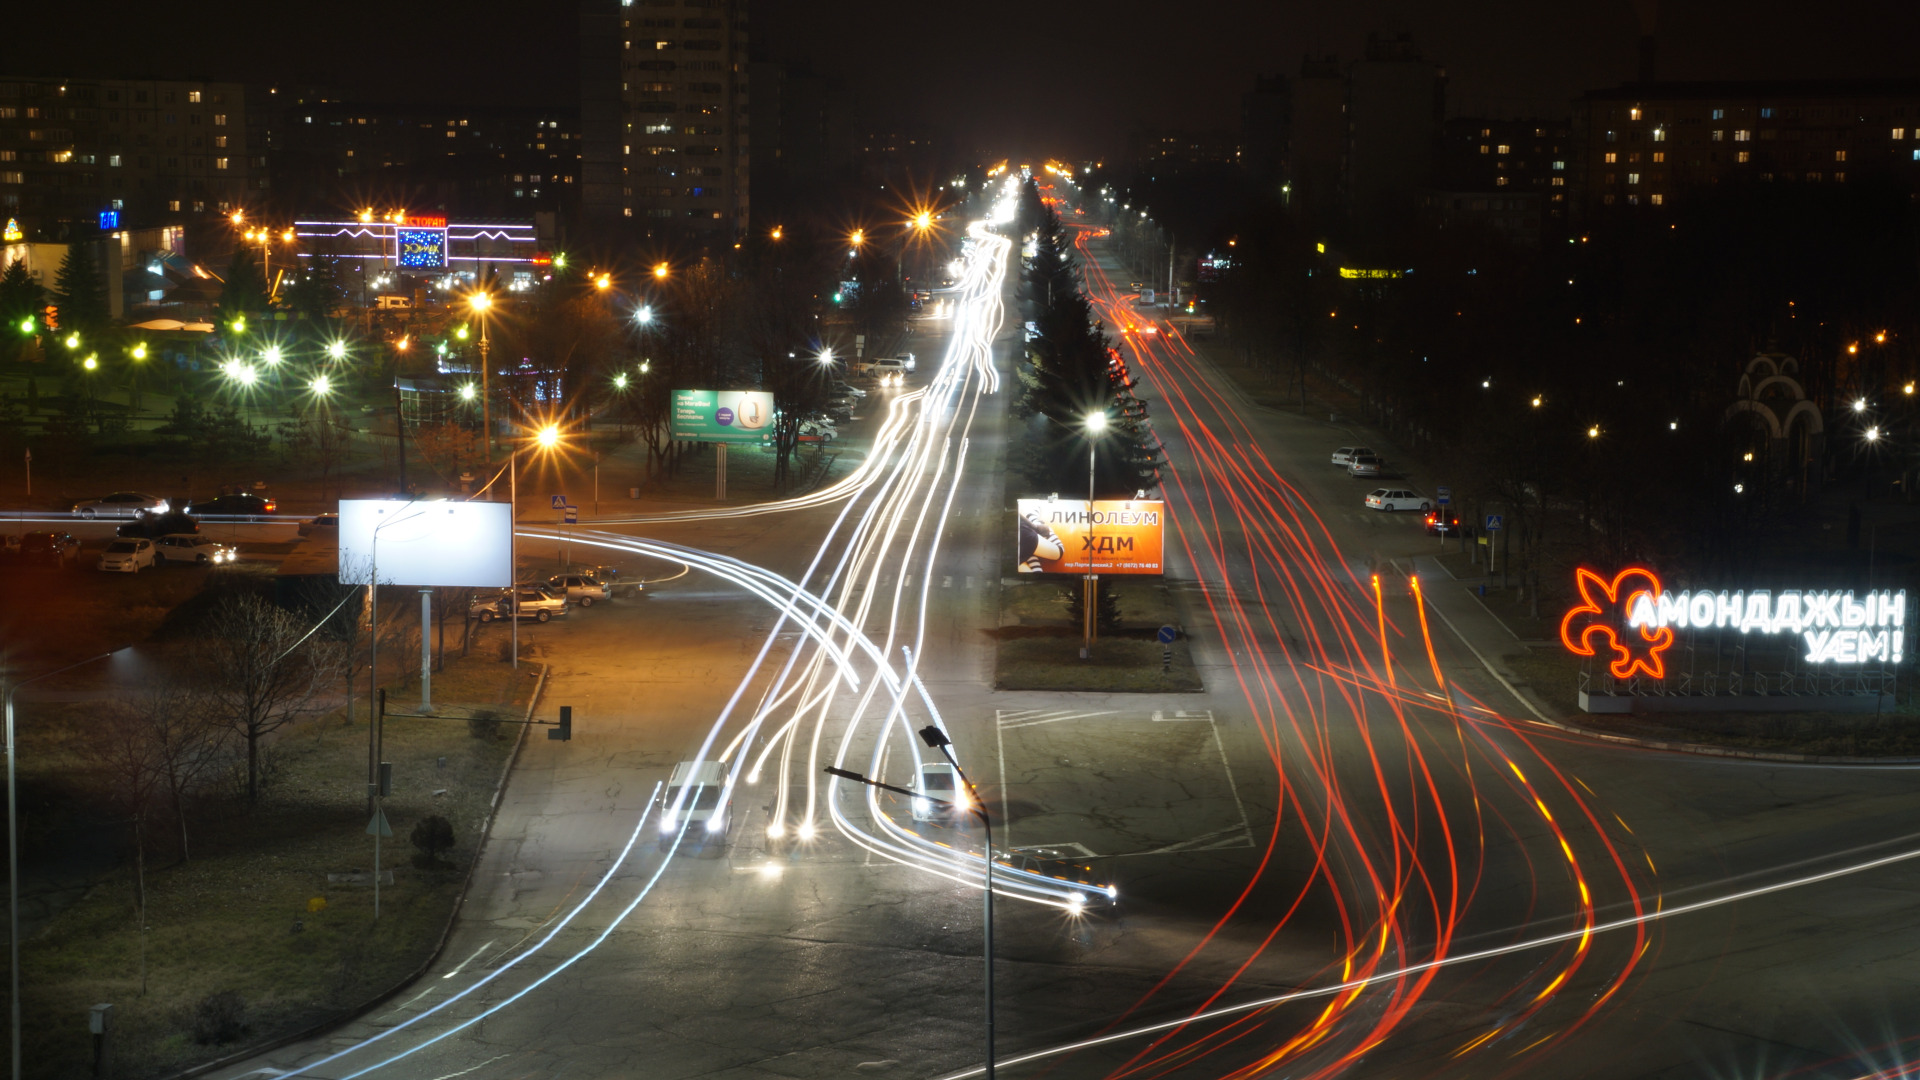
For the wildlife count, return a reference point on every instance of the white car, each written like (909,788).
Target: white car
(127,555)
(120,504)
(1346,454)
(193,548)
(938,781)
(1398,499)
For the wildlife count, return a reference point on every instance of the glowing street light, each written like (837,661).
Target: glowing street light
(272,355)
(859,237)
(91,362)
(466,391)
(620,381)
(1907,389)
(1859,404)
(73,341)
(322,386)
(777,232)
(547,437)
(660,270)
(1536,401)
(27,325)
(140,351)
(646,366)
(337,350)
(603,281)
(479,301)
(643,314)
(1593,432)
(826,355)
(1873,434)
(923,221)
(239,324)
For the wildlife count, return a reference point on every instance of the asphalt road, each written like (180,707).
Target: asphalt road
(1319,817)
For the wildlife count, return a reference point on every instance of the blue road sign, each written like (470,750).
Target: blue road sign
(559,502)
(1167,634)
(573,515)
(1493,522)
(1444,495)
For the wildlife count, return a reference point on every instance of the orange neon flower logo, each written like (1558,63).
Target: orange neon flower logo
(1604,603)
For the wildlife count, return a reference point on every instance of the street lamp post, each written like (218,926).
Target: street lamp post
(13,856)
(481,302)
(1090,598)
(938,739)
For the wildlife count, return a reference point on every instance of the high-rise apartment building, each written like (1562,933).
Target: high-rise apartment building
(1395,103)
(152,152)
(663,117)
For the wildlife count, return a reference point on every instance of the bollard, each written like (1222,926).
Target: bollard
(100,1023)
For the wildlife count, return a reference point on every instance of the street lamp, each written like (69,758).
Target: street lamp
(322,386)
(643,314)
(337,350)
(272,355)
(545,439)
(660,271)
(1090,594)
(13,855)
(482,302)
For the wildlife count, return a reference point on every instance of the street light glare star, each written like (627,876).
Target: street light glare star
(466,392)
(480,301)
(1097,422)
(322,385)
(620,382)
(272,355)
(1860,405)
(643,314)
(549,436)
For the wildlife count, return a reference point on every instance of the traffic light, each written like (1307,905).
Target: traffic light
(564,729)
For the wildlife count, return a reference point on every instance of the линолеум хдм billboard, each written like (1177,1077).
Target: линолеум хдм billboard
(1059,536)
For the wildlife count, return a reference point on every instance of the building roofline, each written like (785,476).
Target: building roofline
(1782,88)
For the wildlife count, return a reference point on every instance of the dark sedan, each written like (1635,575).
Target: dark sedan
(234,506)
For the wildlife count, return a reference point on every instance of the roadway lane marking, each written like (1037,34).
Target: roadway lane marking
(1182,715)
(1034,721)
(946,582)
(1233,836)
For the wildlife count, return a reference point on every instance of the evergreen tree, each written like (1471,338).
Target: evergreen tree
(80,291)
(21,298)
(245,291)
(317,291)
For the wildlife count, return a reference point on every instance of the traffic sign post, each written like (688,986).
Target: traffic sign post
(1167,634)
(1494,523)
(1443,495)
(572,515)
(559,502)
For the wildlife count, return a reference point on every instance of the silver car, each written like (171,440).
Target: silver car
(582,589)
(127,555)
(533,602)
(120,504)
(193,548)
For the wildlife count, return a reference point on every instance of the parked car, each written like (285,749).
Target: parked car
(193,548)
(533,602)
(154,525)
(847,389)
(326,526)
(9,545)
(582,589)
(1365,465)
(127,555)
(818,431)
(120,504)
(891,371)
(938,780)
(58,548)
(839,409)
(235,506)
(1441,522)
(1398,499)
(1346,454)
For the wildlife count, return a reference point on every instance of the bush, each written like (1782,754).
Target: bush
(219,1018)
(433,835)
(484,725)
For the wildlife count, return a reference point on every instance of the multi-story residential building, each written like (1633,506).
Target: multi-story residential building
(667,152)
(1395,103)
(1643,144)
(153,152)
(1511,177)
(504,162)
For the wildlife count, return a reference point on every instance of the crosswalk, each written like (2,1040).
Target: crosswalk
(1008,719)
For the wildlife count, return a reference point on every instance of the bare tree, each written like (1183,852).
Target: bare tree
(186,741)
(262,670)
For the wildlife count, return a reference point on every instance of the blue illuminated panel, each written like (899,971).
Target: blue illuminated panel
(421,249)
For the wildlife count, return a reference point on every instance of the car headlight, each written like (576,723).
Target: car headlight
(922,807)
(716,823)
(1113,893)
(666,822)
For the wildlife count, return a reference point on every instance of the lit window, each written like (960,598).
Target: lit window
(12,178)
(1839,178)
(1718,135)
(1916,155)
(1899,133)
(1633,200)
(1612,157)
(1610,136)
(1839,155)
(113,161)
(220,141)
(1633,113)
(1559,165)
(193,96)
(1659,134)
(1743,135)
(173,205)
(1633,178)
(1659,156)
(220,119)
(1500,181)
(1483,148)
(1744,156)
(1559,181)
(1719,114)
(1813,177)
(219,163)
(1766,114)
(1657,198)
(1503,148)
(450,135)
(1608,199)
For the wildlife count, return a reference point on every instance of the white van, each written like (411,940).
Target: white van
(706,816)
(939,781)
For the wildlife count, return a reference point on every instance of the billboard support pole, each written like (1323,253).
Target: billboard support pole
(720,473)
(513,552)
(426,650)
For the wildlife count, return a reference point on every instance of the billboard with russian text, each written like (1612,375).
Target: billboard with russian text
(1060,536)
(722,415)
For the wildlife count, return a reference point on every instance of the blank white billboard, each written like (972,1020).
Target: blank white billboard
(429,544)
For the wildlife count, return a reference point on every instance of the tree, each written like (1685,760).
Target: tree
(80,291)
(21,298)
(432,835)
(262,671)
(245,289)
(316,292)
(159,744)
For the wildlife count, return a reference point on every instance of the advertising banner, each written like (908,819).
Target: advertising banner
(722,415)
(450,544)
(1059,536)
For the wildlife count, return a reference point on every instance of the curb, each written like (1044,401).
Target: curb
(439,946)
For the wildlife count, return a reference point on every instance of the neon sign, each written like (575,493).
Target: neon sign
(1629,588)
(420,249)
(1835,626)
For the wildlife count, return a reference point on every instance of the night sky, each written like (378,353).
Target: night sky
(1011,77)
